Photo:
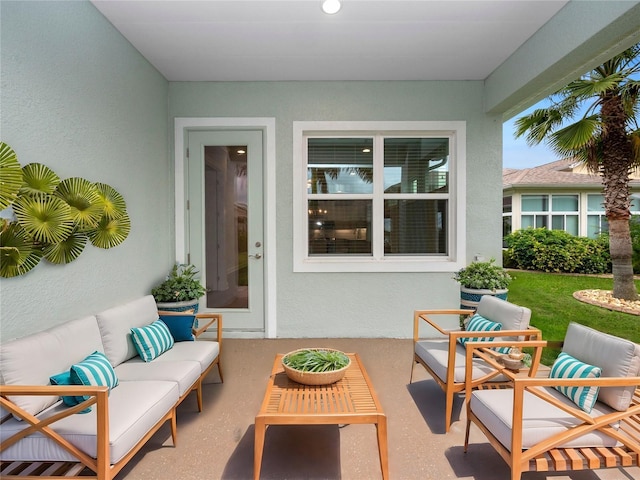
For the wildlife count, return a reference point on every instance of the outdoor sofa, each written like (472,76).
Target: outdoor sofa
(45,419)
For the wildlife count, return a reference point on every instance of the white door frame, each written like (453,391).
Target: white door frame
(268,127)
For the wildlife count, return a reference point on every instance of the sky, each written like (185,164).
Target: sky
(516,153)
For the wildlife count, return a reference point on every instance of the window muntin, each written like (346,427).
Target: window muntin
(415,212)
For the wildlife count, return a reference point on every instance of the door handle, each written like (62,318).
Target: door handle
(257,256)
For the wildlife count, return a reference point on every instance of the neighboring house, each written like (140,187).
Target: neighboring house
(561,195)
(364,194)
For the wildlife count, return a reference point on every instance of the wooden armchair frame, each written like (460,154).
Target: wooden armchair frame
(449,385)
(98,396)
(549,454)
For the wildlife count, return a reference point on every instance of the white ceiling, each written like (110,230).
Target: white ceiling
(244,40)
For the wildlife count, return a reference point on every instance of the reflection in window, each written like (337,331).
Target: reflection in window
(344,176)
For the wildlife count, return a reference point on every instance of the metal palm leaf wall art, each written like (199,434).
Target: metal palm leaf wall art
(46,217)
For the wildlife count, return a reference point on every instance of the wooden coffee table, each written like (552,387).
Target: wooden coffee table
(350,400)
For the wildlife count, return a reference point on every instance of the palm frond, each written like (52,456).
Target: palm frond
(18,254)
(46,218)
(577,136)
(67,250)
(537,125)
(83,198)
(110,232)
(583,89)
(10,176)
(38,179)
(114,205)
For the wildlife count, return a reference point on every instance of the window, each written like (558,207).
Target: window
(556,212)
(597,221)
(378,196)
(507,217)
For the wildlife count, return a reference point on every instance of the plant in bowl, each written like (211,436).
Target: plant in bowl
(315,366)
(180,291)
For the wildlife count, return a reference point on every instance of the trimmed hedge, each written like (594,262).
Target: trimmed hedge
(556,251)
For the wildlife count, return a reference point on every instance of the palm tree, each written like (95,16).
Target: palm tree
(595,120)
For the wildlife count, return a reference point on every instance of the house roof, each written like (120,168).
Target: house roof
(565,173)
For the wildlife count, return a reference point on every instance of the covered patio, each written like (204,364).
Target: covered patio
(218,443)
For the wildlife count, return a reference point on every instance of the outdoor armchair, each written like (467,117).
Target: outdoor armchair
(443,357)
(584,415)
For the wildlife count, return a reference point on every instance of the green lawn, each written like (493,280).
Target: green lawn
(550,298)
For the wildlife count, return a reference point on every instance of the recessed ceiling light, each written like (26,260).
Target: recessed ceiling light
(331,6)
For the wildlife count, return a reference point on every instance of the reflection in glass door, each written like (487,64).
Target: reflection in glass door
(225,193)
(225,231)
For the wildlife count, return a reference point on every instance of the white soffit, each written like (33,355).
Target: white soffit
(253,40)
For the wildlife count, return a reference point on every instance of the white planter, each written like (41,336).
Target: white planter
(470,297)
(179,306)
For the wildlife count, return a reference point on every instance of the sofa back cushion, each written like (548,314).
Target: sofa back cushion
(33,359)
(616,357)
(116,323)
(511,316)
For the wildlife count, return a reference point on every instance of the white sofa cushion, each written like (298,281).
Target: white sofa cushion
(540,419)
(184,372)
(616,357)
(202,351)
(134,408)
(115,327)
(32,360)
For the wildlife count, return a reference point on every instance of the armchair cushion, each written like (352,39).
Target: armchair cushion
(566,366)
(616,357)
(478,323)
(510,315)
(540,419)
(435,353)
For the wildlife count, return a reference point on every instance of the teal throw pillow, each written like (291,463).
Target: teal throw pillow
(64,378)
(95,370)
(566,366)
(152,341)
(180,326)
(478,323)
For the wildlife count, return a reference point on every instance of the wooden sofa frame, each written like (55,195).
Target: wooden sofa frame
(98,396)
(448,385)
(549,455)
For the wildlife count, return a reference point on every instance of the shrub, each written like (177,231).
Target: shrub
(557,251)
(483,275)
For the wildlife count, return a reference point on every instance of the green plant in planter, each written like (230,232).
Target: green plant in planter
(483,276)
(180,285)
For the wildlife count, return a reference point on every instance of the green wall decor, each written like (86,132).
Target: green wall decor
(53,218)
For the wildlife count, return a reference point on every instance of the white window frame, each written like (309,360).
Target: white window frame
(456,133)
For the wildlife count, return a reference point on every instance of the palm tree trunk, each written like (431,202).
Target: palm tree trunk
(621,252)
(618,159)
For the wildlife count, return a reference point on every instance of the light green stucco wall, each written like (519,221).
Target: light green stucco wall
(361,304)
(78,98)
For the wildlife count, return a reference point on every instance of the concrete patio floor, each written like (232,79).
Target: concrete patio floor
(218,443)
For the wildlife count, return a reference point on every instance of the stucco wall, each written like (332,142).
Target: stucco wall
(361,304)
(78,98)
